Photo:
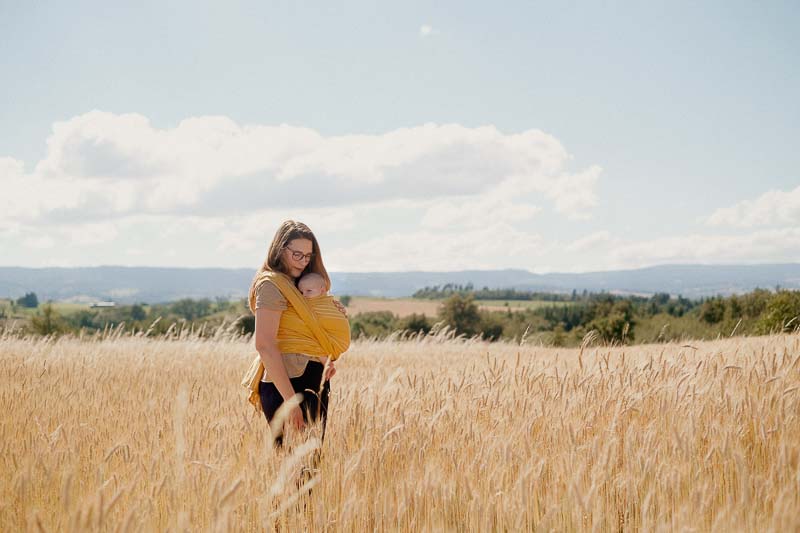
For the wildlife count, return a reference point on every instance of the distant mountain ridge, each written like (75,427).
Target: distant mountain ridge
(127,285)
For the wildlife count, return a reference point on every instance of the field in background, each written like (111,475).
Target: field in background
(137,434)
(25,312)
(403,307)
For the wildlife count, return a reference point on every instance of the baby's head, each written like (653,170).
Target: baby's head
(311,285)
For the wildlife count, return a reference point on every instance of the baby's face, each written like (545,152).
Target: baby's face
(311,289)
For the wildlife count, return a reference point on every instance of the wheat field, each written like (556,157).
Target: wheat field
(122,432)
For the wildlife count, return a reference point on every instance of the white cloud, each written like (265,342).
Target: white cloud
(102,166)
(67,237)
(210,191)
(603,250)
(254,232)
(426,30)
(496,246)
(475,212)
(28,196)
(772,208)
(89,234)
(574,195)
(39,242)
(135,252)
(592,241)
(765,246)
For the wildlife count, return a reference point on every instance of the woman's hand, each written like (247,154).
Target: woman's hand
(341,307)
(329,371)
(295,418)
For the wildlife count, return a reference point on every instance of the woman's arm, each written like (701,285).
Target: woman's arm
(329,370)
(266,340)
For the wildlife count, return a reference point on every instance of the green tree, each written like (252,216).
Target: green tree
(712,311)
(734,308)
(191,309)
(491,325)
(29,300)
(754,303)
(221,303)
(372,324)
(84,319)
(47,321)
(415,322)
(345,299)
(781,313)
(460,312)
(245,323)
(559,337)
(138,312)
(617,324)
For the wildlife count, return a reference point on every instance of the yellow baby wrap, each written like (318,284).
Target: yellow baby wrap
(312,326)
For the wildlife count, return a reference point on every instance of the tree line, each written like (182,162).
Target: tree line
(564,321)
(440,292)
(47,319)
(615,318)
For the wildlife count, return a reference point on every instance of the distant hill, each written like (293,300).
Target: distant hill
(127,285)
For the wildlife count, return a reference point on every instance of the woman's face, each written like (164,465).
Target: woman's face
(295,247)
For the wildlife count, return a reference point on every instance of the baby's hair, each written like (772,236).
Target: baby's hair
(312,277)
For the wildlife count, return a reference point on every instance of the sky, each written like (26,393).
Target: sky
(551,137)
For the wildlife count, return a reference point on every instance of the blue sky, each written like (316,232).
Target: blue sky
(417,135)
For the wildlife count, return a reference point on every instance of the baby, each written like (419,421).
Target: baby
(312,286)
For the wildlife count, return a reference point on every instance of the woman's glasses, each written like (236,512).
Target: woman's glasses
(297,256)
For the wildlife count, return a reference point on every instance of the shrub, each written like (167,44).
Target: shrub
(617,324)
(781,313)
(47,321)
(415,323)
(29,300)
(712,311)
(492,325)
(372,324)
(245,323)
(461,313)
(138,312)
(191,309)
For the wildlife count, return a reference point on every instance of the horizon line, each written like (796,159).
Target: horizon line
(657,265)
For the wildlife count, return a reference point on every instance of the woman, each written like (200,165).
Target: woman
(294,251)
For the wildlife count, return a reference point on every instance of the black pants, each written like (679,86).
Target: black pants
(315,402)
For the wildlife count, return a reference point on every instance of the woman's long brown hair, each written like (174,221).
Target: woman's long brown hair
(287,232)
